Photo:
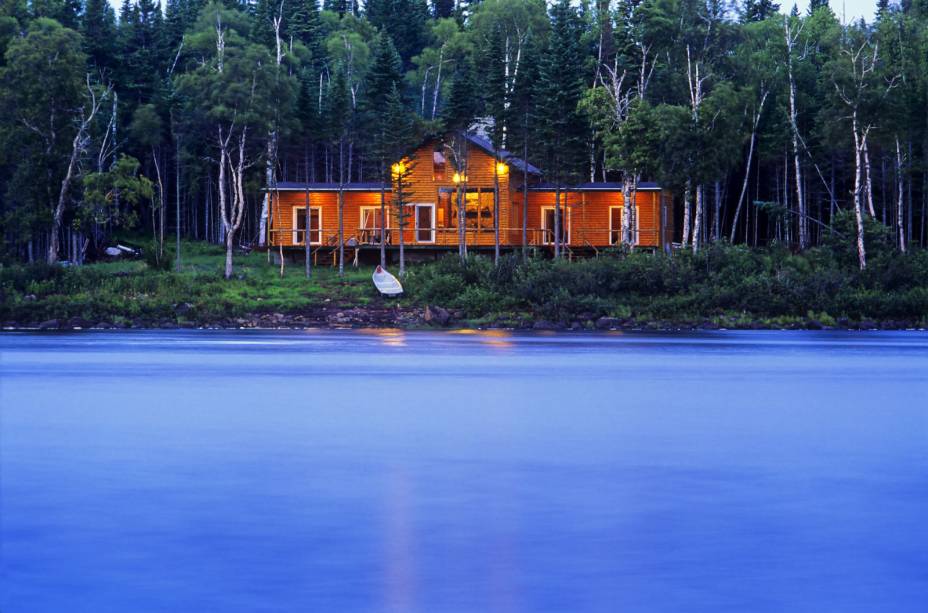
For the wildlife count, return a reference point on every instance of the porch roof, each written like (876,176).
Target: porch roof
(293,186)
(605,186)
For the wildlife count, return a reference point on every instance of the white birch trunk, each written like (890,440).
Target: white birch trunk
(686,213)
(858,188)
(900,217)
(868,182)
(697,218)
(794,132)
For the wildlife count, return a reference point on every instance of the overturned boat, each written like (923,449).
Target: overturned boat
(386,284)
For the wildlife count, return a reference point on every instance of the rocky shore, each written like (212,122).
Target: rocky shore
(434,316)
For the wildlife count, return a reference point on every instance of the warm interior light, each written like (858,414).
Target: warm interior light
(501,169)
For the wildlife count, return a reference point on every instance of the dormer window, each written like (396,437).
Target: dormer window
(438,166)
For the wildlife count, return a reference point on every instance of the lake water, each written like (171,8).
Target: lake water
(397,471)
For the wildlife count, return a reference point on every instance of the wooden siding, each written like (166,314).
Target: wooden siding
(282,223)
(587,212)
(424,189)
(588,216)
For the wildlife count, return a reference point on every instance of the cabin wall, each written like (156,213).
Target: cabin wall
(282,223)
(424,188)
(588,214)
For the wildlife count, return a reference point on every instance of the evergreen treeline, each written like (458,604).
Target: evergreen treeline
(767,127)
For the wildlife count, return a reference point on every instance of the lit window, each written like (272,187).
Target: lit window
(438,166)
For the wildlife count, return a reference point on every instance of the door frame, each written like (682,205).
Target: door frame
(544,224)
(422,205)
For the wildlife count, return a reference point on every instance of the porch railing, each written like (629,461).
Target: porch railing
(370,236)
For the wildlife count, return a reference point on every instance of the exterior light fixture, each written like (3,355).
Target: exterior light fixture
(399,169)
(502,169)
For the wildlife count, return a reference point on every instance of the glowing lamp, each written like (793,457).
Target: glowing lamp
(502,169)
(398,169)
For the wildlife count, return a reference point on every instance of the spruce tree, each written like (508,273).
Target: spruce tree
(265,11)
(98,27)
(814,5)
(562,128)
(381,101)
(143,51)
(302,23)
(404,20)
(443,8)
(758,10)
(65,12)
(464,101)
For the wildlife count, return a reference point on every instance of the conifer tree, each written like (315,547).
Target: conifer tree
(814,5)
(443,8)
(758,10)
(382,105)
(98,28)
(303,24)
(562,129)
(404,20)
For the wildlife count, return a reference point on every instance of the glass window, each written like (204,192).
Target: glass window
(438,166)
(299,225)
(548,226)
(615,225)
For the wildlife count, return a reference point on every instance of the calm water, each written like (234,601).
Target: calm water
(390,471)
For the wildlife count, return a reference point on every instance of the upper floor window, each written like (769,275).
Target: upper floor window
(438,166)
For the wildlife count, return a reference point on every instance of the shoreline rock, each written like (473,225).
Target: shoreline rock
(431,317)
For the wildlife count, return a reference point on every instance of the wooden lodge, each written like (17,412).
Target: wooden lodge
(591,213)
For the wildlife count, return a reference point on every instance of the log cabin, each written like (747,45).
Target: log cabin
(431,179)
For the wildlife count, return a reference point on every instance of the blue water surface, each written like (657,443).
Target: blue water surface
(398,471)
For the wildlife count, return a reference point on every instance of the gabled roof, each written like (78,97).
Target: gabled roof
(511,159)
(292,186)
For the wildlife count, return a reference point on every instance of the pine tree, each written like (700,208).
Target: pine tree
(65,12)
(463,101)
(142,38)
(302,23)
(380,106)
(400,134)
(758,10)
(443,8)
(562,128)
(385,72)
(98,27)
(404,20)
(265,11)
(814,5)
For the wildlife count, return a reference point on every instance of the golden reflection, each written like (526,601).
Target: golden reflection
(496,338)
(391,337)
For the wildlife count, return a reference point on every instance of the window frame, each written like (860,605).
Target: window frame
(544,224)
(297,210)
(621,207)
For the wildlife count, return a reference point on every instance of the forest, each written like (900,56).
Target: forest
(168,122)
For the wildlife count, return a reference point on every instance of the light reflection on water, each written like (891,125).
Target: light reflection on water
(478,471)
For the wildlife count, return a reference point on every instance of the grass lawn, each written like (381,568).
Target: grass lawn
(131,289)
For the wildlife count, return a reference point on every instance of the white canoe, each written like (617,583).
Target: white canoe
(386,283)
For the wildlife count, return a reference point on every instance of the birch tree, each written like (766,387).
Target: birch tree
(231,89)
(859,87)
